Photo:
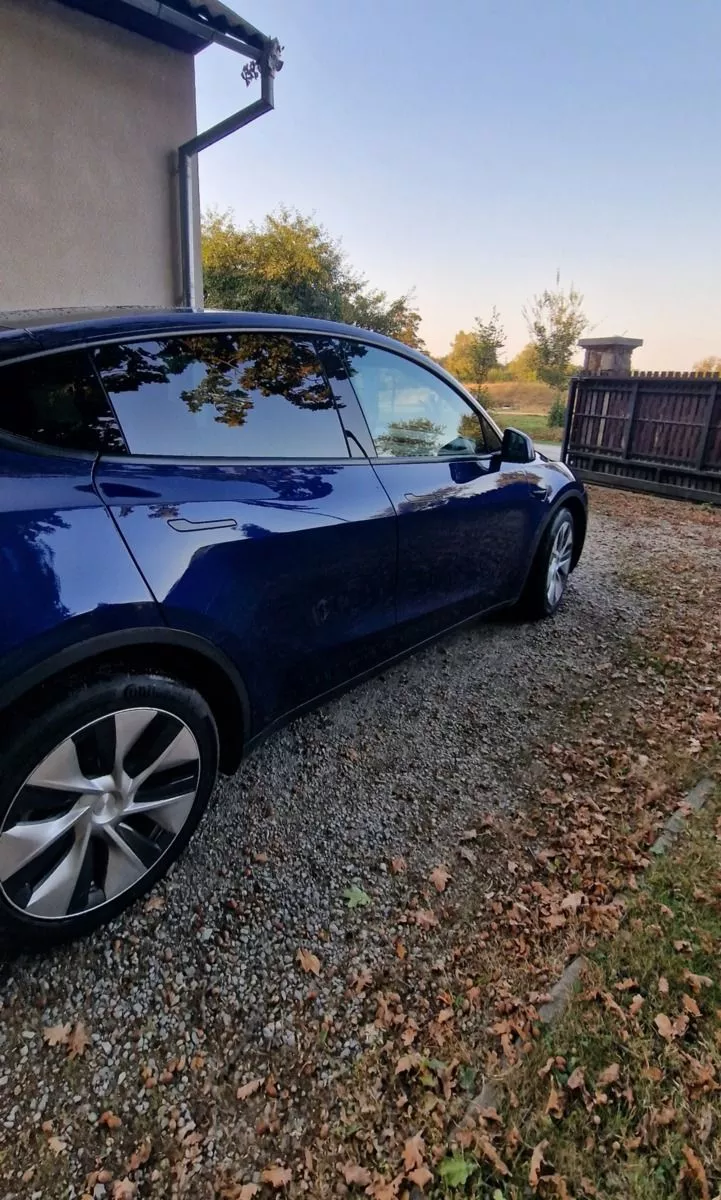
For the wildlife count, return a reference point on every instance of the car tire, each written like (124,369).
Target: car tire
(102,785)
(546,585)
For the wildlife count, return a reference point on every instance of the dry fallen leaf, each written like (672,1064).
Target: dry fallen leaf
(663,985)
(425,918)
(664,1026)
(398,865)
(636,1005)
(140,1155)
(534,1170)
(408,1062)
(696,982)
(680,1025)
(610,1075)
(78,1041)
(361,980)
(277,1177)
(439,878)
(572,902)
(690,1005)
(353,1173)
(124,1189)
(576,1079)
(696,1170)
(248,1089)
(309,962)
(414,1152)
(625,985)
(57,1145)
(560,1186)
(261,857)
(109,1118)
(555,1102)
(56,1035)
(485,1146)
(248,1191)
(155,903)
(421,1177)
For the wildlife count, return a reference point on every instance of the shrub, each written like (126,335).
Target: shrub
(557,413)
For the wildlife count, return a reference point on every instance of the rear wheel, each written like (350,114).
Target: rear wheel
(551,568)
(99,794)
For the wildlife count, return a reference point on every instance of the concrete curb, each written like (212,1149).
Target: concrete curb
(561,992)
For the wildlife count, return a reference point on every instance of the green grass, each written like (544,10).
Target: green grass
(652,1132)
(534,424)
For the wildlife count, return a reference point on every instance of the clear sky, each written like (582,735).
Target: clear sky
(468,149)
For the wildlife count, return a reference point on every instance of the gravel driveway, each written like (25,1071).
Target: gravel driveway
(201,990)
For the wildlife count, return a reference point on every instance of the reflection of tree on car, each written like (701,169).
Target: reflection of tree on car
(417,437)
(238,368)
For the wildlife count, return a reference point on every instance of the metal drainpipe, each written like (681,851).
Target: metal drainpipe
(269,64)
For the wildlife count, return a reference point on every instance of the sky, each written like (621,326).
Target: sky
(469,150)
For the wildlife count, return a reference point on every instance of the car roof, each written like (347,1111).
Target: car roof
(40,330)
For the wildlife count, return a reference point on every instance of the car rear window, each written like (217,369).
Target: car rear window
(57,401)
(238,395)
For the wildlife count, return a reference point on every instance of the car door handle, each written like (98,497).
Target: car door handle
(182,525)
(542,490)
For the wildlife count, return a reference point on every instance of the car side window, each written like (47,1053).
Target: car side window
(410,412)
(493,441)
(237,395)
(56,400)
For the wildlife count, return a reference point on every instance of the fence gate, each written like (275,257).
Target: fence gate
(653,432)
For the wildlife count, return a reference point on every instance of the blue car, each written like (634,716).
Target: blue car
(208,522)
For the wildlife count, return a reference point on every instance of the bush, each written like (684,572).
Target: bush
(557,413)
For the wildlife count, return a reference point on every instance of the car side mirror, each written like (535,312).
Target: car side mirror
(517,447)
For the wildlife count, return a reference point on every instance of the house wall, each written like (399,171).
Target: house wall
(90,117)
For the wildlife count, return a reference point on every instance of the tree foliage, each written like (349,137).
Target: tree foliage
(459,360)
(488,338)
(712,363)
(291,264)
(555,322)
(524,367)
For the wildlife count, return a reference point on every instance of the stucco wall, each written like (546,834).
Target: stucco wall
(89,118)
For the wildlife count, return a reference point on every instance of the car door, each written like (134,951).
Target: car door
(244,510)
(464,517)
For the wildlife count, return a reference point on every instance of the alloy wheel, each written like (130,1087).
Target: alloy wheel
(98,812)
(559,564)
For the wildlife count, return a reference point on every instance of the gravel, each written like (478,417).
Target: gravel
(401,766)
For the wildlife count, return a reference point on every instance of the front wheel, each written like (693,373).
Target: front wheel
(551,568)
(99,794)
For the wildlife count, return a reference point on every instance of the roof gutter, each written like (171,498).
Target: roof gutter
(266,63)
(204,30)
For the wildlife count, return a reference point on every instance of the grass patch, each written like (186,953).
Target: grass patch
(623,1095)
(534,424)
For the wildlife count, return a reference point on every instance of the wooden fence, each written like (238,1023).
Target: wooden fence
(657,432)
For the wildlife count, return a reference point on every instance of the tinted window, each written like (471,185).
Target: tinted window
(58,401)
(493,441)
(230,394)
(410,412)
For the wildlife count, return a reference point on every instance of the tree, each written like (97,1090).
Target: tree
(524,367)
(459,360)
(555,322)
(290,264)
(488,338)
(710,364)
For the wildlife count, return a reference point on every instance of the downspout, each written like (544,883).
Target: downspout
(267,66)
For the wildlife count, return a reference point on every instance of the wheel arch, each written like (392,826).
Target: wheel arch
(183,656)
(578,511)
